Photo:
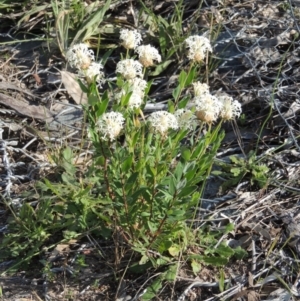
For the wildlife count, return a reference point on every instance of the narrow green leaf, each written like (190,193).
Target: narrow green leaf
(172,186)
(190,76)
(162,39)
(161,67)
(102,107)
(187,191)
(91,24)
(176,92)
(183,102)
(182,79)
(83,87)
(222,281)
(178,171)
(126,164)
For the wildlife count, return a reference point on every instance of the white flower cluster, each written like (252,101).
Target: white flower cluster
(198,47)
(132,70)
(200,89)
(230,108)
(82,58)
(186,119)
(210,107)
(110,125)
(130,38)
(147,55)
(162,121)
(138,86)
(129,69)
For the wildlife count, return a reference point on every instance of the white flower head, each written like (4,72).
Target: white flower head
(80,57)
(198,47)
(147,55)
(200,89)
(138,86)
(129,68)
(130,38)
(186,118)
(93,72)
(162,121)
(135,100)
(208,108)
(110,125)
(230,108)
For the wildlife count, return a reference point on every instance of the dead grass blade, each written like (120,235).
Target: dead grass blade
(24,108)
(73,88)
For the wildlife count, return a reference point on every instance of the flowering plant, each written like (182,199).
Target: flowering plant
(150,170)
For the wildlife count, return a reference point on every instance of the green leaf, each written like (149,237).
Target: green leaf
(152,226)
(183,102)
(93,99)
(161,67)
(151,171)
(106,55)
(187,191)
(172,186)
(236,171)
(190,76)
(171,107)
(224,251)
(126,164)
(144,260)
(131,181)
(229,227)
(152,290)
(103,105)
(91,24)
(163,246)
(176,92)
(171,273)
(83,87)
(199,149)
(185,153)
(240,253)
(182,79)
(196,267)
(174,250)
(215,261)
(222,280)
(145,214)
(237,160)
(178,171)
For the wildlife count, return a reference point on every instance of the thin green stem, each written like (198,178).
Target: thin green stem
(183,85)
